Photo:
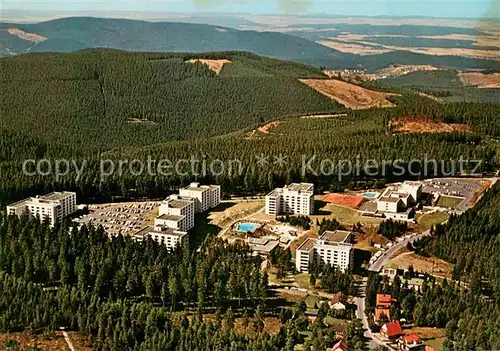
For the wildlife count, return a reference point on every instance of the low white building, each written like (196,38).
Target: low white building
(205,196)
(296,198)
(54,206)
(397,201)
(164,235)
(332,248)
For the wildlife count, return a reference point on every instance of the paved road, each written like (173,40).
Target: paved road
(376,267)
(360,313)
(382,260)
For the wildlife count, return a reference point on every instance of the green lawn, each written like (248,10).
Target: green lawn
(311,301)
(349,215)
(302,280)
(448,201)
(427,220)
(437,343)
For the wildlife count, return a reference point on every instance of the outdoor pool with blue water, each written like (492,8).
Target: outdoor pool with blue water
(247,227)
(369,195)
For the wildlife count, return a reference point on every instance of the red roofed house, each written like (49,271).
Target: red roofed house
(429,348)
(391,330)
(338,301)
(410,342)
(340,346)
(379,312)
(384,300)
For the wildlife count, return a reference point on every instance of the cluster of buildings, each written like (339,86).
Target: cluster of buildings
(392,330)
(177,212)
(296,198)
(396,202)
(334,248)
(52,207)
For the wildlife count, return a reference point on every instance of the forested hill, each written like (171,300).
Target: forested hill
(100,99)
(76,33)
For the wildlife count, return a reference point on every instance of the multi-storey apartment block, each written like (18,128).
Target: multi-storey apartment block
(296,198)
(54,206)
(205,196)
(177,212)
(169,237)
(332,248)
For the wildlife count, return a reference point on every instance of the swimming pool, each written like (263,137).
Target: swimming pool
(371,195)
(247,227)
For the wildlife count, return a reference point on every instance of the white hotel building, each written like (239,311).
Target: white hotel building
(205,196)
(176,214)
(331,248)
(169,237)
(54,206)
(296,198)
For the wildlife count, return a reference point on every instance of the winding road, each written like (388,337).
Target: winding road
(376,267)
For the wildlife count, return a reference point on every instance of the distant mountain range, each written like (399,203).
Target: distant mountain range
(78,33)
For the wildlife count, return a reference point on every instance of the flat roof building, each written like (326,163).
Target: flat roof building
(296,198)
(332,248)
(164,235)
(177,212)
(53,206)
(205,196)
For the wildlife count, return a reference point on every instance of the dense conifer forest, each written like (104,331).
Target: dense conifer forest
(127,295)
(99,105)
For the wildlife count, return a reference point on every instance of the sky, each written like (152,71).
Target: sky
(431,8)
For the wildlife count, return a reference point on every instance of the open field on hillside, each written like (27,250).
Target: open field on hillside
(449,201)
(223,215)
(346,215)
(26,36)
(350,95)
(430,265)
(364,44)
(400,70)
(264,129)
(336,115)
(425,125)
(352,47)
(427,220)
(214,65)
(480,80)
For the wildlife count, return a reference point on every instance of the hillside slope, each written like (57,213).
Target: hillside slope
(134,35)
(100,99)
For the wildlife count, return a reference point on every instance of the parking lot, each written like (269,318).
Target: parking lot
(125,219)
(453,187)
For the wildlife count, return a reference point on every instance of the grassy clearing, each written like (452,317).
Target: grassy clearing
(430,265)
(346,215)
(427,220)
(312,301)
(302,280)
(437,343)
(448,201)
